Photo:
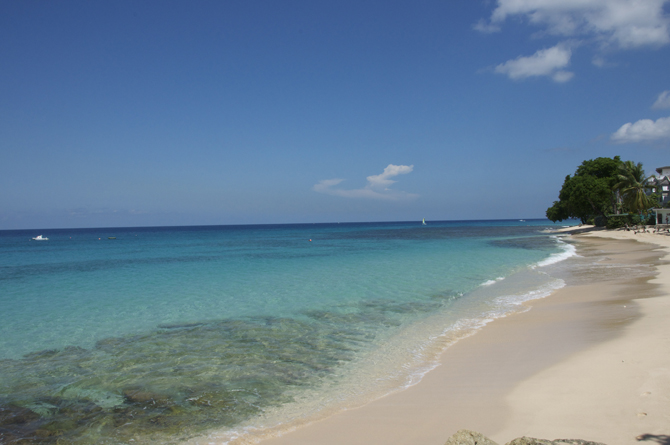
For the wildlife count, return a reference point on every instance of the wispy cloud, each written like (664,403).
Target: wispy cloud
(377,187)
(644,130)
(546,62)
(486,27)
(663,101)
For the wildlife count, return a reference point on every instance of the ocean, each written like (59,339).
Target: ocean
(162,334)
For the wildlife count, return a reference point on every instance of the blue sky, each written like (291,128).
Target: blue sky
(127,113)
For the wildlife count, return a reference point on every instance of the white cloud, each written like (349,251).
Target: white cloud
(546,62)
(377,187)
(383,181)
(663,101)
(484,26)
(618,23)
(562,76)
(645,130)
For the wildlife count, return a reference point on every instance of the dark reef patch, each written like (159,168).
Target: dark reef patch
(182,379)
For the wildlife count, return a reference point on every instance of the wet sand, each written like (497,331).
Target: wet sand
(592,361)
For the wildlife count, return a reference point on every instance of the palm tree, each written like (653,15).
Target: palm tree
(633,186)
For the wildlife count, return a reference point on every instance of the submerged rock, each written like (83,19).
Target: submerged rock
(16,415)
(145,397)
(467,437)
(532,441)
(529,441)
(103,399)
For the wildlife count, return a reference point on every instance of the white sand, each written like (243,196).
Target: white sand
(613,392)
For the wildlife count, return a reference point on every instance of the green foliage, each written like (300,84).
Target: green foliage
(651,219)
(618,221)
(558,212)
(633,186)
(590,192)
(655,199)
(601,168)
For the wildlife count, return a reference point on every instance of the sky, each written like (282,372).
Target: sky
(162,113)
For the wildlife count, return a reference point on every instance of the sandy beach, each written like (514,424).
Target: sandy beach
(590,362)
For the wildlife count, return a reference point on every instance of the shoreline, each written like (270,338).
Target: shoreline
(618,391)
(512,378)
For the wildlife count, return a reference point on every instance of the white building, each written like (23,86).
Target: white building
(661,184)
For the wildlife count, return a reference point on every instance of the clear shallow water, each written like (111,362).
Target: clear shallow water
(165,333)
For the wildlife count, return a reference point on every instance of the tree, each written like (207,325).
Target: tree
(590,192)
(633,186)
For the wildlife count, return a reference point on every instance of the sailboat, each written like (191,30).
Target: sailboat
(423,222)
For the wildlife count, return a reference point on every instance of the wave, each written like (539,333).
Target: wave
(490,282)
(568,250)
(535,294)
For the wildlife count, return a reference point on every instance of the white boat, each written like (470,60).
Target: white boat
(40,238)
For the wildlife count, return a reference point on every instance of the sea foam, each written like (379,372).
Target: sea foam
(490,282)
(568,250)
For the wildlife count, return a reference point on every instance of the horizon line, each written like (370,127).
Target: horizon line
(275,224)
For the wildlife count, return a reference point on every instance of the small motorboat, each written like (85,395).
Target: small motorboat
(40,238)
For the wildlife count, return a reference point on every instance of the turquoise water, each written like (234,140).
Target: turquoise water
(162,334)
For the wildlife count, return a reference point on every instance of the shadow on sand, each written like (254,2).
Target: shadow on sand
(662,439)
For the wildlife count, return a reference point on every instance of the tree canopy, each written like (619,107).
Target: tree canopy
(589,192)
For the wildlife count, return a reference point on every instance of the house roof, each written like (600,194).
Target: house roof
(660,169)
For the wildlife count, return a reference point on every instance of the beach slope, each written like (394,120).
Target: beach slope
(590,362)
